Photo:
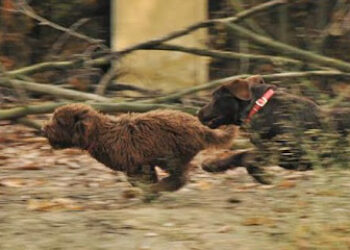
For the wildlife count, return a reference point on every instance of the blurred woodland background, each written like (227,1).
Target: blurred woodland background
(66,47)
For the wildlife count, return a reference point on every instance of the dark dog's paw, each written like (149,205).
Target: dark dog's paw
(216,166)
(259,175)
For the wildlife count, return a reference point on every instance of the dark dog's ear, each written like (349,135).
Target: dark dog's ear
(255,80)
(239,88)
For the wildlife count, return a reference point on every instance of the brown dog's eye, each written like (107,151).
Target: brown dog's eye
(60,122)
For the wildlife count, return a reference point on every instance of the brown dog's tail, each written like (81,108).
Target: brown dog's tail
(221,137)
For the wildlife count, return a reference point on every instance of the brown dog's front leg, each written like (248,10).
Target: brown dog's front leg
(143,176)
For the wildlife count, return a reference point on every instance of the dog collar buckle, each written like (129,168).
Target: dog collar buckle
(261,102)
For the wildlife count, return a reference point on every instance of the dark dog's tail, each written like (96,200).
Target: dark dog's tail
(341,119)
(221,137)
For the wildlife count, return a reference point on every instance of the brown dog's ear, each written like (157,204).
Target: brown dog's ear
(239,88)
(81,123)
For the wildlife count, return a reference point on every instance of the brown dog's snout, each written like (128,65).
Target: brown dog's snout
(43,130)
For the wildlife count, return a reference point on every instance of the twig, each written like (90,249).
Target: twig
(29,123)
(52,90)
(229,54)
(62,39)
(106,79)
(25,9)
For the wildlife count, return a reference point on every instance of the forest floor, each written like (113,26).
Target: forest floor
(66,200)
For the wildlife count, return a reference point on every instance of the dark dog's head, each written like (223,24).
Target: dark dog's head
(70,126)
(229,102)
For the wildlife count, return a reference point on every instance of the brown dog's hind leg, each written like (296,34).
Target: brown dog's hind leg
(170,183)
(177,170)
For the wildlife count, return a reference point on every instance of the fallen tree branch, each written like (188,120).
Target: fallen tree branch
(106,80)
(228,54)
(18,112)
(210,85)
(29,123)
(117,86)
(291,51)
(52,90)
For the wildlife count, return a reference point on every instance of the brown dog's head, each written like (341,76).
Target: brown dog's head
(70,126)
(229,102)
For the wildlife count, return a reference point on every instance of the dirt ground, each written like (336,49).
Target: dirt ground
(66,200)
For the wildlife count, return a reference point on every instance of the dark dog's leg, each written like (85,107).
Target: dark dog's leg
(229,162)
(248,159)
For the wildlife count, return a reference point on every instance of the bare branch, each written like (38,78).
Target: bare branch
(228,54)
(57,46)
(25,9)
(210,85)
(106,79)
(291,51)
(52,90)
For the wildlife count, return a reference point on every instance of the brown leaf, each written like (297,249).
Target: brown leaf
(32,166)
(256,221)
(53,204)
(35,140)
(12,182)
(287,184)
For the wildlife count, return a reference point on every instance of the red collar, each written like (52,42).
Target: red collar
(259,104)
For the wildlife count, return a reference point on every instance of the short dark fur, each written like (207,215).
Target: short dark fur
(136,143)
(281,124)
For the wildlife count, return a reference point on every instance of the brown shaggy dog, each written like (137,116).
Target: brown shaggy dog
(136,143)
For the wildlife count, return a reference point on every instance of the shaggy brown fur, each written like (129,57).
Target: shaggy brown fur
(136,143)
(282,131)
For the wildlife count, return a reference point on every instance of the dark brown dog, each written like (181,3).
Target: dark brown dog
(136,143)
(282,131)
